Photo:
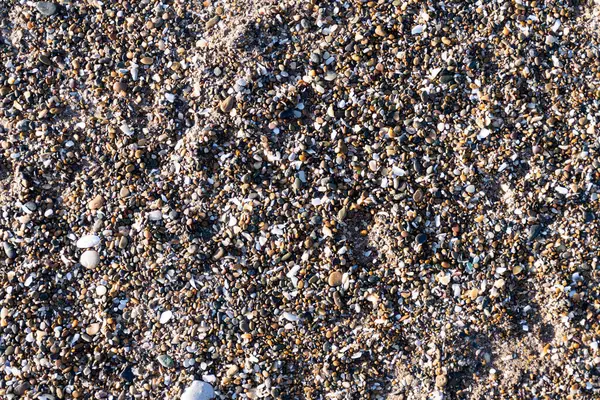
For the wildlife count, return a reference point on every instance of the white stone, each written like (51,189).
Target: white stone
(198,390)
(165,317)
(87,241)
(90,259)
(155,215)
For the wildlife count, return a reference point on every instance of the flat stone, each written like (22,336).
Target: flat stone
(165,361)
(212,22)
(46,8)
(93,329)
(127,374)
(418,196)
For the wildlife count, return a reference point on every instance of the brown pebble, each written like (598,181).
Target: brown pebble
(227,104)
(147,60)
(119,86)
(335,278)
(96,203)
(418,196)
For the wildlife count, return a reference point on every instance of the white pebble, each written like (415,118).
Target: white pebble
(90,259)
(165,316)
(155,215)
(87,241)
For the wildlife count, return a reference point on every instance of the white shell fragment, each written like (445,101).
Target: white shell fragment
(198,390)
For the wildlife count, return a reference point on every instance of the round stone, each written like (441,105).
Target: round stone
(119,86)
(421,238)
(90,259)
(335,278)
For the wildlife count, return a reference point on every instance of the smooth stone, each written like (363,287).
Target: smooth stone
(119,86)
(90,259)
(9,250)
(93,329)
(220,253)
(227,104)
(421,238)
(87,241)
(286,114)
(46,8)
(337,299)
(379,31)
(245,326)
(101,290)
(335,278)
(198,390)
(23,125)
(96,203)
(165,317)
(165,361)
(146,60)
(534,232)
(45,59)
(127,374)
(470,189)
(29,207)
(212,22)
(418,196)
(20,389)
(155,215)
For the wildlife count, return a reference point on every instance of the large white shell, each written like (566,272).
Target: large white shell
(198,390)
(90,259)
(87,241)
